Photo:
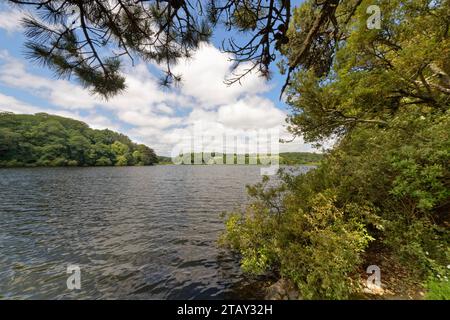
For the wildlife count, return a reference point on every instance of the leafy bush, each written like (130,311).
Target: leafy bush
(318,249)
(383,96)
(438,286)
(438,290)
(385,189)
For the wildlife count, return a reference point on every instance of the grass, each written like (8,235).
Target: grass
(438,290)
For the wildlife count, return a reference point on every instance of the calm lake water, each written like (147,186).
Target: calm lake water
(135,232)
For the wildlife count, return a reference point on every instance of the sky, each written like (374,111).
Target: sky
(146,112)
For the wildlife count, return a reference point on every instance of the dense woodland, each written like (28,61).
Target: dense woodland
(382,195)
(292,158)
(48,140)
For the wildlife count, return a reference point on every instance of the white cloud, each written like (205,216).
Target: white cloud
(142,92)
(148,119)
(204,74)
(251,113)
(150,114)
(163,108)
(11,104)
(10,19)
(60,93)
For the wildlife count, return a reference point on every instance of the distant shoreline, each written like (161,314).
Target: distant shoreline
(246,164)
(160,164)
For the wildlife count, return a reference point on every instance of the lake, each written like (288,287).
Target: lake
(134,232)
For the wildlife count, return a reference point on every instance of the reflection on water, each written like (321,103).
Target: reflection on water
(136,232)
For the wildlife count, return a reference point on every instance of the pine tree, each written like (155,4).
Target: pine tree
(89,39)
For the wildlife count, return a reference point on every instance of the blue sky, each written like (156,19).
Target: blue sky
(149,114)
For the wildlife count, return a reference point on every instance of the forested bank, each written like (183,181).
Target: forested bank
(382,195)
(48,140)
(284,158)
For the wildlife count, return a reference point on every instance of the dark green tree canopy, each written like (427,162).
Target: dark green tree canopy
(48,140)
(382,192)
(352,75)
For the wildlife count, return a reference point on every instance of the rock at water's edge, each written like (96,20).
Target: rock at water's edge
(282,290)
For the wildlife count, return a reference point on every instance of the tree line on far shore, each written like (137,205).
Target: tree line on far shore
(49,140)
(284,158)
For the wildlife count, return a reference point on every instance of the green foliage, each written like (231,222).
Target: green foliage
(103,161)
(313,228)
(285,158)
(121,161)
(164,160)
(244,17)
(384,187)
(292,158)
(438,289)
(46,140)
(316,247)
(373,72)
(119,148)
(72,163)
(329,242)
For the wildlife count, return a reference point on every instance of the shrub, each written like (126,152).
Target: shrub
(58,162)
(318,249)
(438,286)
(72,163)
(121,161)
(103,161)
(385,189)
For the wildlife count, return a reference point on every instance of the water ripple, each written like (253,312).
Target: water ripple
(136,233)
